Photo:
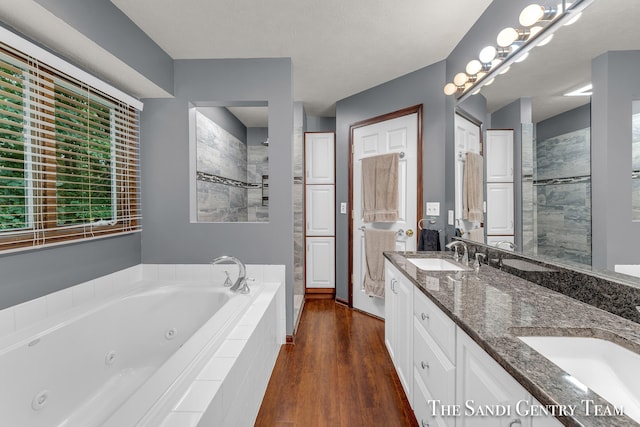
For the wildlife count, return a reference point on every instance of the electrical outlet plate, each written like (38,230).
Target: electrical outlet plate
(433,208)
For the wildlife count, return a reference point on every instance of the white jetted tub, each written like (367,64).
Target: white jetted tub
(124,361)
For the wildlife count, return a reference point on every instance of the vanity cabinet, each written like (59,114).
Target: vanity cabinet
(482,383)
(437,361)
(398,328)
(433,360)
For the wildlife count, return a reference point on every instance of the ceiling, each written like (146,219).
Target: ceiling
(338,48)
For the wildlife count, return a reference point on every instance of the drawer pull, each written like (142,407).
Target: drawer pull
(424,365)
(424,316)
(514,422)
(424,423)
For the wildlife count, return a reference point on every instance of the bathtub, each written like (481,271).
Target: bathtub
(126,360)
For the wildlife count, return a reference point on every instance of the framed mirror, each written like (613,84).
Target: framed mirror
(229,162)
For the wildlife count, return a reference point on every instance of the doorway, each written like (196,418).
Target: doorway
(397,132)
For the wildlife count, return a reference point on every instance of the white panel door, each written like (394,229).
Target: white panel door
(395,135)
(320,262)
(500,214)
(467,140)
(499,155)
(319,158)
(320,210)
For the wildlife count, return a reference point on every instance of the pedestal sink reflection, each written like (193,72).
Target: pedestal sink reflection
(607,368)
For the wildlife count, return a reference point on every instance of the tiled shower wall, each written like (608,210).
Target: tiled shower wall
(635,198)
(298,209)
(257,167)
(220,153)
(562,196)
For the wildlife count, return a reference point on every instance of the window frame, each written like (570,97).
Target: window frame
(41,203)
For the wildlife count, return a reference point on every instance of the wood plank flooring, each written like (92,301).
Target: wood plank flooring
(338,373)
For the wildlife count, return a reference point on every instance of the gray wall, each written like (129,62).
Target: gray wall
(103,23)
(320,124)
(33,273)
(420,87)
(615,84)
(168,237)
(569,121)
(227,121)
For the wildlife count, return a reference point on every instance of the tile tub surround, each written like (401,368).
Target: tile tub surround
(616,293)
(494,308)
(212,396)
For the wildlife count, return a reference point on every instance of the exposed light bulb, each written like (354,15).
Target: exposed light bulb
(460,79)
(474,67)
(507,36)
(488,54)
(450,89)
(535,13)
(531,15)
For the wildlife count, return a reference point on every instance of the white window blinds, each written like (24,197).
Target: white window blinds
(69,157)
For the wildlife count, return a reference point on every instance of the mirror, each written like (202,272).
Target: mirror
(556,164)
(229,170)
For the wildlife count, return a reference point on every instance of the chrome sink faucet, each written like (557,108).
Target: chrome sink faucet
(240,284)
(465,255)
(505,242)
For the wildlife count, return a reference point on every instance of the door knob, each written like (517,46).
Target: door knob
(409,232)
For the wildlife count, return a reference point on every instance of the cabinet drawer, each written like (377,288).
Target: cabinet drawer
(436,323)
(435,369)
(422,408)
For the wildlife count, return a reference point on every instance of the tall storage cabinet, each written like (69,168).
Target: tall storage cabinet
(319,154)
(500,204)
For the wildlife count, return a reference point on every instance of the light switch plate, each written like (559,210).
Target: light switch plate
(343,207)
(433,208)
(450,219)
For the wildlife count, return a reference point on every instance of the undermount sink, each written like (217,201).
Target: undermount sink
(435,264)
(606,368)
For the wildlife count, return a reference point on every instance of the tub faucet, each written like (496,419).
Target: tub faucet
(240,284)
(465,255)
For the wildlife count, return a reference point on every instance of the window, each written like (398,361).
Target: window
(68,157)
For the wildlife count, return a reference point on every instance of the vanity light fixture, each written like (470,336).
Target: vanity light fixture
(514,44)
(535,13)
(510,35)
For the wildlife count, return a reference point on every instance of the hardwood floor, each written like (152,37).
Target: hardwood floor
(338,373)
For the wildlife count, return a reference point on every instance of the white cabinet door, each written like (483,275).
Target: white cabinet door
(500,214)
(482,383)
(319,158)
(320,210)
(404,333)
(398,331)
(320,262)
(499,155)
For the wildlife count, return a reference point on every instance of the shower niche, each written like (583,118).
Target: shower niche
(229,162)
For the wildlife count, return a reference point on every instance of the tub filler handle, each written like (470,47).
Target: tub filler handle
(240,284)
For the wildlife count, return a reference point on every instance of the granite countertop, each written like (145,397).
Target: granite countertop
(494,308)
